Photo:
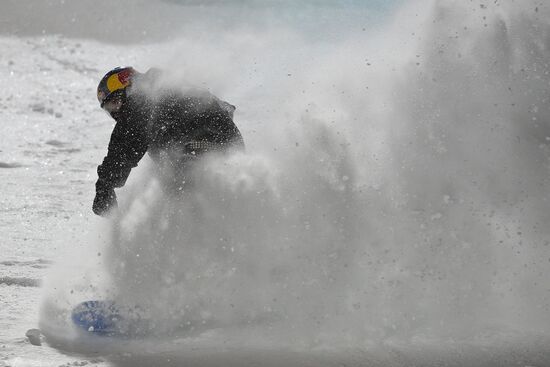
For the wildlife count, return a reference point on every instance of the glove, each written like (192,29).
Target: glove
(105,200)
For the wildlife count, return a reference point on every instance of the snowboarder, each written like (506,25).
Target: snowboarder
(172,125)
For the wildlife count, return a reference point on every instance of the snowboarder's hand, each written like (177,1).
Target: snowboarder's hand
(104,201)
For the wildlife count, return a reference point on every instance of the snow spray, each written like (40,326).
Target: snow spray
(395,184)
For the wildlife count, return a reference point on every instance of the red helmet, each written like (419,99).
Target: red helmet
(115,80)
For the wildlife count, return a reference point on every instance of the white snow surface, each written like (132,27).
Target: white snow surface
(390,209)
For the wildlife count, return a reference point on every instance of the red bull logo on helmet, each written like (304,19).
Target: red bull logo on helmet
(119,80)
(114,80)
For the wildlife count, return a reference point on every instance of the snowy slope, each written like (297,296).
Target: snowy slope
(52,137)
(390,209)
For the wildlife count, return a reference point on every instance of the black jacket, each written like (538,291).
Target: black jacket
(167,118)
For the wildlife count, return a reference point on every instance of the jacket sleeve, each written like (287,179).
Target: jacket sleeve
(222,126)
(127,146)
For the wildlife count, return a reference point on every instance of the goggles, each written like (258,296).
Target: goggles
(113,104)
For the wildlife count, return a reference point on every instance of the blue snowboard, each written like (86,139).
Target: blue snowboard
(106,318)
(98,317)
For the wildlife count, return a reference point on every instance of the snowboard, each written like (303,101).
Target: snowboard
(106,318)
